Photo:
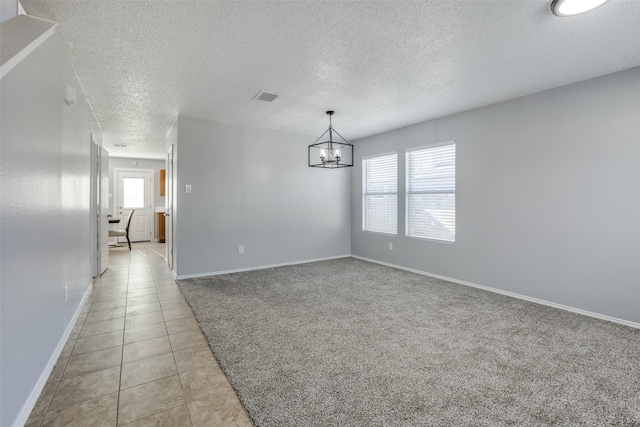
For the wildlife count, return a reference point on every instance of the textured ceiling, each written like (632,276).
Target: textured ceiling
(380,65)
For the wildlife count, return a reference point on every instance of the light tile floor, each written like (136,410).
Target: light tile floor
(136,356)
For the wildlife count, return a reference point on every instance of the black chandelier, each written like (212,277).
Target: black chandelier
(331,154)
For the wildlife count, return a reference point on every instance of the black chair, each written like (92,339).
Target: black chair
(123,233)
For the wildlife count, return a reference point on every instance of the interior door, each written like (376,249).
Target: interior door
(103,210)
(99,208)
(169,208)
(135,191)
(95,214)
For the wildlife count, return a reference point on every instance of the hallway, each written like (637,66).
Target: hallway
(136,356)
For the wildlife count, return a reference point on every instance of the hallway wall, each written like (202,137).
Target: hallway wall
(44,227)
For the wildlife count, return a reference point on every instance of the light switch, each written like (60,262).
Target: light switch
(187,188)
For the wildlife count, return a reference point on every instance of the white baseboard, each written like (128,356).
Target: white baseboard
(42,381)
(260,267)
(507,293)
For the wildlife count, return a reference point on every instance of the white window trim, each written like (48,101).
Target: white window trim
(373,156)
(434,145)
(363,159)
(408,193)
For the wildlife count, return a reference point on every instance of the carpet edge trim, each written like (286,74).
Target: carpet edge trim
(507,293)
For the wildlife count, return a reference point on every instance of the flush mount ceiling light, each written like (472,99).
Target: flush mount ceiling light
(331,154)
(574,7)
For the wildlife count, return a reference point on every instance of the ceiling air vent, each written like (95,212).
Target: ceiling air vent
(265,96)
(120,145)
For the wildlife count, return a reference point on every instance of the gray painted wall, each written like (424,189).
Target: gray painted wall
(8,9)
(548,197)
(44,227)
(253,187)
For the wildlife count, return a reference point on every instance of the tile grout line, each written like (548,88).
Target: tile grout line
(100,289)
(165,326)
(46,411)
(173,354)
(124,327)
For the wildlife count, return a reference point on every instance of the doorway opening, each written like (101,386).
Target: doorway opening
(134,190)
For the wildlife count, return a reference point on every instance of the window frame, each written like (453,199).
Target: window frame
(378,193)
(408,193)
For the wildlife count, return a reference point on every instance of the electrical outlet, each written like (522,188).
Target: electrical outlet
(66,294)
(390,246)
(187,188)
(240,249)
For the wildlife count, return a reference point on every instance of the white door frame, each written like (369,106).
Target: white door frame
(103,234)
(169,214)
(151,200)
(95,214)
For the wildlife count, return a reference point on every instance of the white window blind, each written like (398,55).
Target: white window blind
(431,192)
(380,194)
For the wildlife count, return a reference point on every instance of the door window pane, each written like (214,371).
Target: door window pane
(133,193)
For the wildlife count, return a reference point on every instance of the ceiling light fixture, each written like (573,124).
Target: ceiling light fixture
(331,154)
(574,7)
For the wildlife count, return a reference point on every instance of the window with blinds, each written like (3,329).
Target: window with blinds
(380,194)
(431,192)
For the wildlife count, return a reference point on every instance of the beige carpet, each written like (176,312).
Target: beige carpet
(350,343)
